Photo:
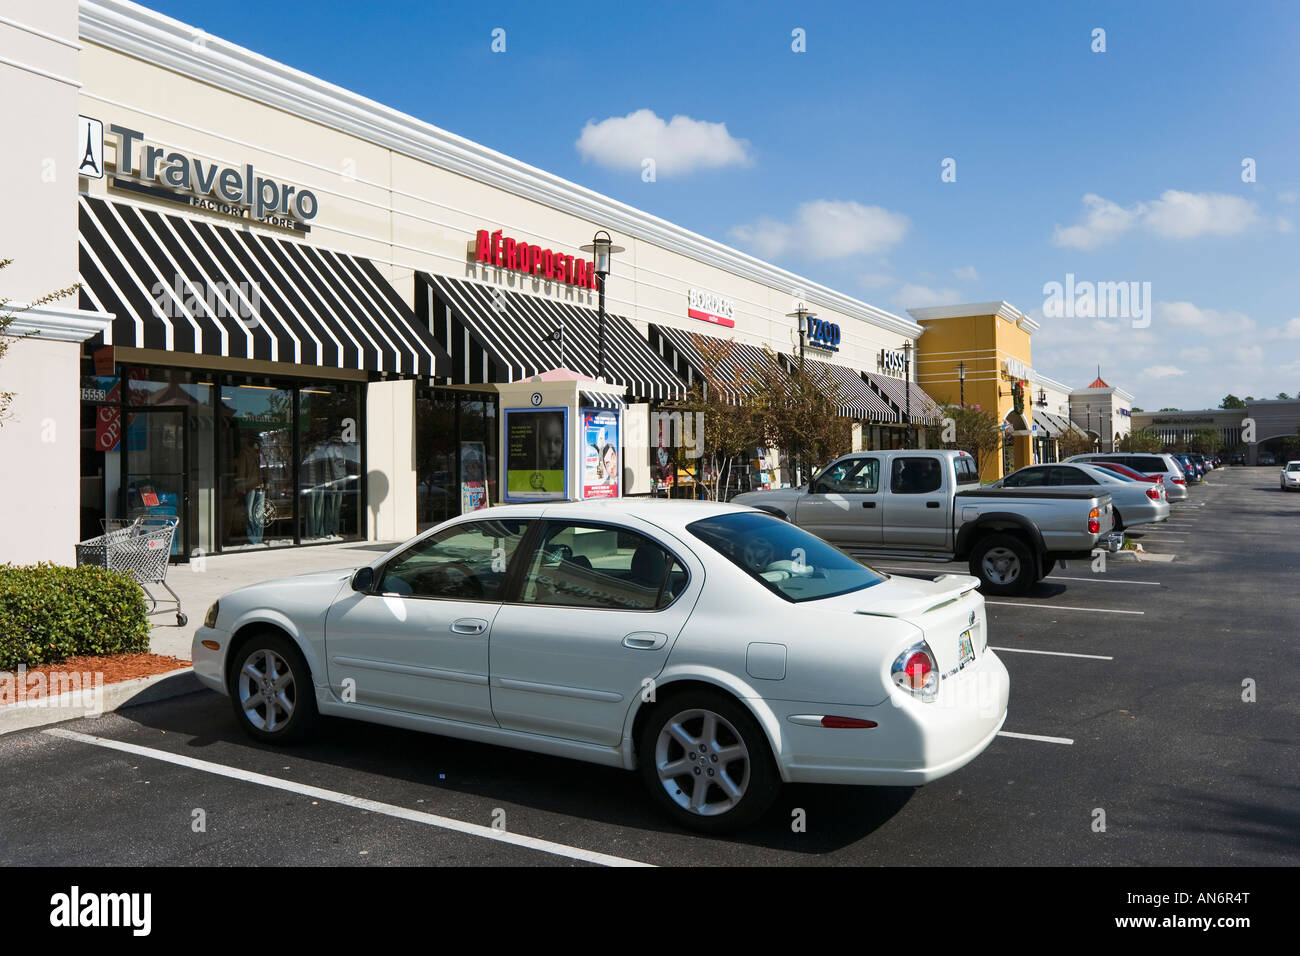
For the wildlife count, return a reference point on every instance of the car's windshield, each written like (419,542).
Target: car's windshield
(1293,466)
(782,557)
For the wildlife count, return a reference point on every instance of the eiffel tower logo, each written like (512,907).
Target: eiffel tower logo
(88,159)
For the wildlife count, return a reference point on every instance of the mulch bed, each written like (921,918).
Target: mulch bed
(115,668)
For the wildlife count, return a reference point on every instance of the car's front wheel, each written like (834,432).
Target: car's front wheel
(1004,564)
(706,762)
(271,689)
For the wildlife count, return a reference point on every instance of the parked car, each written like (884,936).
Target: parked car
(1148,464)
(1195,475)
(1128,472)
(717,650)
(929,504)
(1206,463)
(1291,476)
(1134,502)
(1266,458)
(1237,459)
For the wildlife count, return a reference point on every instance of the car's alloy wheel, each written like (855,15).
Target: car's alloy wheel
(1004,564)
(271,689)
(706,761)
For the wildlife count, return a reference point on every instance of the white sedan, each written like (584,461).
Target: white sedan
(716,649)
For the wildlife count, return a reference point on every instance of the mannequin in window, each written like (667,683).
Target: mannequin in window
(249,481)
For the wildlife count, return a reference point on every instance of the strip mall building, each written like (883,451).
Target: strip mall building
(296,304)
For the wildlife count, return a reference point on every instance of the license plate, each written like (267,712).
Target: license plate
(967,648)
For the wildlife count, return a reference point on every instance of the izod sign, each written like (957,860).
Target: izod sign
(823,335)
(710,307)
(232,190)
(494,249)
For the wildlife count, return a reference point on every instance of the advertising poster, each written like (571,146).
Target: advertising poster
(536,454)
(473,476)
(601,468)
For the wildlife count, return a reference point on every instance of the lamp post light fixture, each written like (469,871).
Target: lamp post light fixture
(907,384)
(601,248)
(801,315)
(1042,397)
(961,377)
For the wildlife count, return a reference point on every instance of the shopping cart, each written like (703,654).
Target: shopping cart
(139,547)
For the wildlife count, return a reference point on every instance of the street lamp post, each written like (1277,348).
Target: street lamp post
(907,384)
(801,315)
(601,247)
(961,377)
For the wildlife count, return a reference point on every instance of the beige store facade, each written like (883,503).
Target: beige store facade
(352,235)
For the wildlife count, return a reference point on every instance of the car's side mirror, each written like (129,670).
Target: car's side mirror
(363,579)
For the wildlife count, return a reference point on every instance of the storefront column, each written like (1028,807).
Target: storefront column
(390,460)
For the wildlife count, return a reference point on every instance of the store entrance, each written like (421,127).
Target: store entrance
(157,479)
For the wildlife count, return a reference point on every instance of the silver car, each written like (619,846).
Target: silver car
(1135,502)
(1291,476)
(1148,463)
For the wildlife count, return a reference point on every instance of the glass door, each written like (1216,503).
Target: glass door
(156,481)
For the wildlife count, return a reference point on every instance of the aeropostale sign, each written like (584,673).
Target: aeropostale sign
(505,252)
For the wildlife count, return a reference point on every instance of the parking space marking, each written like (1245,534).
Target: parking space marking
(1046,740)
(1103,579)
(348,800)
(1026,650)
(1062,607)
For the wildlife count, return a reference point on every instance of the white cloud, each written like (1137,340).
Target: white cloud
(876,280)
(678,146)
(1103,221)
(1209,322)
(1285,225)
(1175,215)
(966,272)
(1163,371)
(1289,196)
(825,229)
(1198,355)
(1249,355)
(1290,331)
(1180,215)
(912,296)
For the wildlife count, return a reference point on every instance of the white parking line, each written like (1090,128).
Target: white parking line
(1103,579)
(347,800)
(1025,650)
(1062,607)
(1046,740)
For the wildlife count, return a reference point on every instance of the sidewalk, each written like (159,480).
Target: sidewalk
(222,573)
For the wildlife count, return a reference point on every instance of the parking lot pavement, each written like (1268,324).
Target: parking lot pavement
(1143,728)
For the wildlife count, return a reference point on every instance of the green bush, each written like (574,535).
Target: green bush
(49,613)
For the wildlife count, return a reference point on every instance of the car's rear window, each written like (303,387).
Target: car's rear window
(1148,465)
(782,557)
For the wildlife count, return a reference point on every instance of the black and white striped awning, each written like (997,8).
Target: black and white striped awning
(925,410)
(188,285)
(500,335)
(601,400)
(737,366)
(857,400)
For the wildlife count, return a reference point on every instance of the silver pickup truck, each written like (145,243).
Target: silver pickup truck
(929,505)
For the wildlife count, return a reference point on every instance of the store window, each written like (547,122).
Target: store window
(255,423)
(455,454)
(329,462)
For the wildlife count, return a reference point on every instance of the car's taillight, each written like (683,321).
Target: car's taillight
(1180,481)
(1094,524)
(916,671)
(1153,494)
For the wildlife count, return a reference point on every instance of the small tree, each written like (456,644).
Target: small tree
(7,318)
(1074,442)
(1232,401)
(798,414)
(1141,440)
(973,431)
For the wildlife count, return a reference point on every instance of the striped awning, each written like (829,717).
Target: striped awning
(736,365)
(601,400)
(495,334)
(188,285)
(925,410)
(1053,426)
(857,400)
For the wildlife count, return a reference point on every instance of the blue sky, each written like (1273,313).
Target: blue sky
(1115,166)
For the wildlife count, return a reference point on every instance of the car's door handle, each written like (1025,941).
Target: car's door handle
(868,504)
(932,504)
(469,625)
(645,640)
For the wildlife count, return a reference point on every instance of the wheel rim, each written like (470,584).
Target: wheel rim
(267,690)
(702,762)
(1001,566)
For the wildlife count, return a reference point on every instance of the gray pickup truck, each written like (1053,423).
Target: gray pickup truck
(929,505)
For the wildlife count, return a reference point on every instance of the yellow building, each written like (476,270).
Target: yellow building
(978,354)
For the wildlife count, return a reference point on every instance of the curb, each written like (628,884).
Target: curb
(117,696)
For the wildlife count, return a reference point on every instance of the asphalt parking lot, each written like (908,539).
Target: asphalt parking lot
(1127,707)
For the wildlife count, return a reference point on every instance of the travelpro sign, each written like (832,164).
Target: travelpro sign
(177,177)
(823,335)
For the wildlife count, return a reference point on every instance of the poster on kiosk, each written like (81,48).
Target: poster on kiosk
(561,436)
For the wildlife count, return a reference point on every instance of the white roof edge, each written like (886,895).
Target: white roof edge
(998,307)
(146,34)
(1042,379)
(56,322)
